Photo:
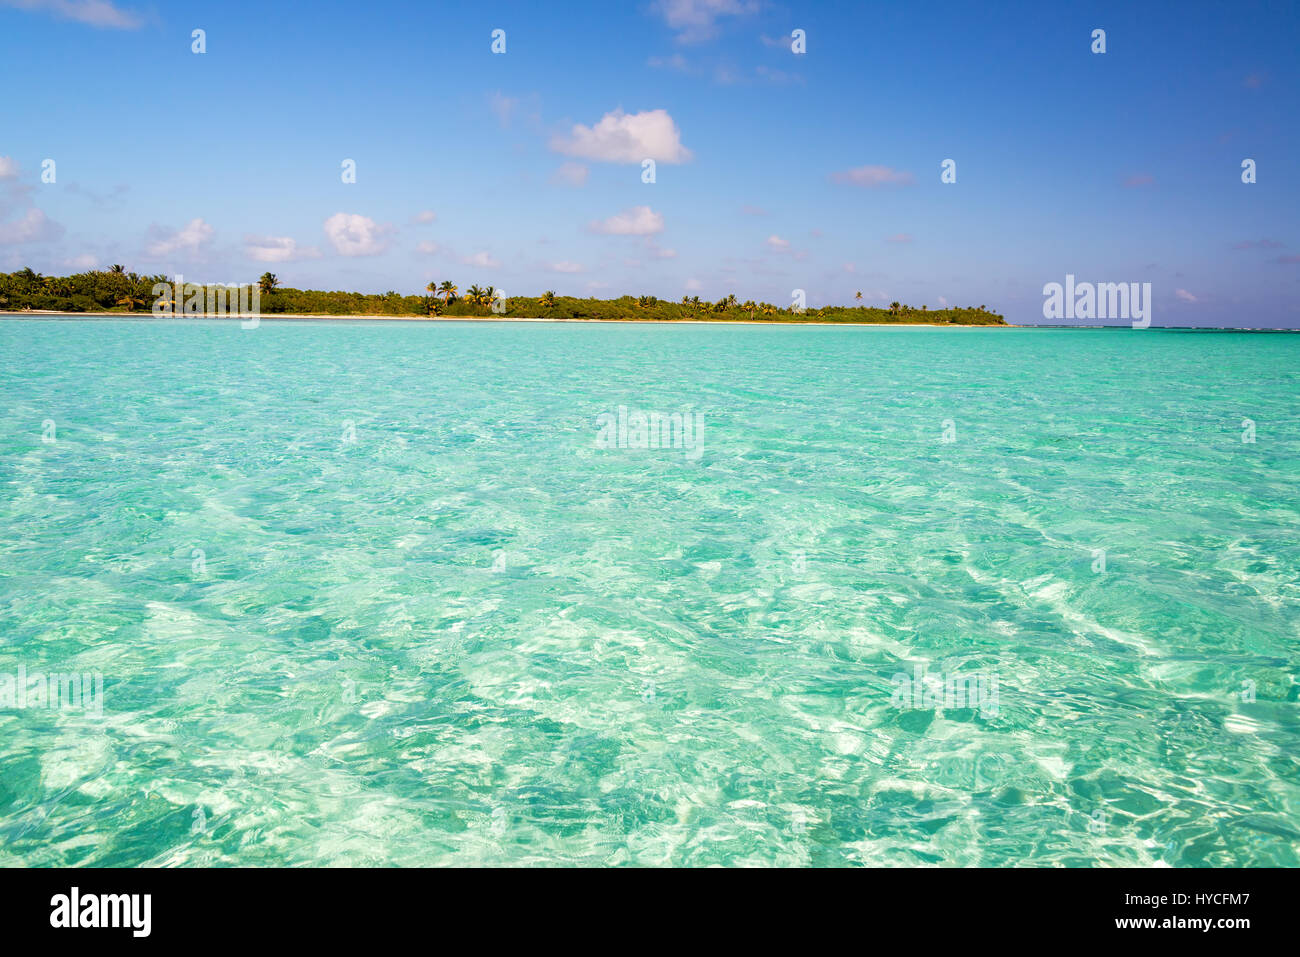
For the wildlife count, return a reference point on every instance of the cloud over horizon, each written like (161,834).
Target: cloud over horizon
(626,138)
(32,227)
(352,234)
(637,221)
(277,249)
(190,239)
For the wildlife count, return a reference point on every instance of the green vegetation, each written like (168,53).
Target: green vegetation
(116,290)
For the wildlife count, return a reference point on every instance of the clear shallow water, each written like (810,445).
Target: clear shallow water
(473,636)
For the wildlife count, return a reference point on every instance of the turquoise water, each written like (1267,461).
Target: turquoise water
(372,593)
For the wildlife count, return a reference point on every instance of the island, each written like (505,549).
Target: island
(115,290)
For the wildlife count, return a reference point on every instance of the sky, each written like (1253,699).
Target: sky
(774,170)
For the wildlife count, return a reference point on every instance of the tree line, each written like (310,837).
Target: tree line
(118,290)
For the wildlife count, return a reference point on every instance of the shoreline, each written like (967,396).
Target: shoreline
(271,317)
(354,317)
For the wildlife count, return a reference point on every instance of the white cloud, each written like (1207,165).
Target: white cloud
(694,285)
(191,238)
(565,267)
(425,216)
(782,246)
(695,20)
(637,221)
(626,138)
(481,259)
(899,238)
(1184,295)
(355,235)
(873,176)
(96,13)
(570,174)
(83,263)
(277,249)
(943,302)
(428,247)
(658,252)
(33,227)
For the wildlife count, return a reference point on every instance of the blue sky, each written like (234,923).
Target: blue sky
(774,170)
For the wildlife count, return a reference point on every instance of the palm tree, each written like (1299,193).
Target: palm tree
(117,268)
(858,295)
(473,294)
(130,301)
(548,299)
(432,288)
(895,306)
(448,291)
(489,295)
(268,282)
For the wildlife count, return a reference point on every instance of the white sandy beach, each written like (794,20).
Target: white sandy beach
(271,317)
